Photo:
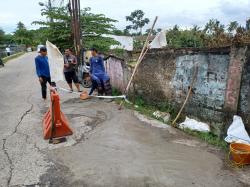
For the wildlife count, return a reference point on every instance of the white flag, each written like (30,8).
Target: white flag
(56,62)
(159,41)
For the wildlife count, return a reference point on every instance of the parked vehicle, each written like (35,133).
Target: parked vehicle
(84,75)
(39,46)
(83,70)
(29,49)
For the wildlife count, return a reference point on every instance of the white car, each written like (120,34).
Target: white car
(39,46)
(29,49)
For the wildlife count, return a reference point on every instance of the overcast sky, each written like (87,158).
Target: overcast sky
(182,12)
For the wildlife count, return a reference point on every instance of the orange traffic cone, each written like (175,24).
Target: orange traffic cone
(55,123)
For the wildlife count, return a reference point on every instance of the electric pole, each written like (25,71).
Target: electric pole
(74,9)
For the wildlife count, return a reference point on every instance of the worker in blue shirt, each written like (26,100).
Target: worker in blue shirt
(97,72)
(42,70)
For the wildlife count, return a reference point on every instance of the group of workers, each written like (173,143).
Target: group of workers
(100,80)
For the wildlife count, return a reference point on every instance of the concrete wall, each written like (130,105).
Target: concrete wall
(244,100)
(208,97)
(221,88)
(171,73)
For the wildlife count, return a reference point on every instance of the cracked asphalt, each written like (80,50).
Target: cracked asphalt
(108,148)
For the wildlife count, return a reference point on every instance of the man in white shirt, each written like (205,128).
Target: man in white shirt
(8,51)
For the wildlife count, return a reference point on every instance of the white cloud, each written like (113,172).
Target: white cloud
(235,10)
(182,12)
(13,11)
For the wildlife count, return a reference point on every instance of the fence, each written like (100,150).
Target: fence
(13,49)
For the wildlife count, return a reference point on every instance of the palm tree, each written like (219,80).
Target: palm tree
(232,27)
(214,27)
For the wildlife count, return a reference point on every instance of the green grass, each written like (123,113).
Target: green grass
(132,63)
(209,138)
(116,92)
(118,52)
(146,109)
(6,59)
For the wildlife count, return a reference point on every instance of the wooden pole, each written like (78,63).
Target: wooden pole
(75,12)
(188,95)
(143,53)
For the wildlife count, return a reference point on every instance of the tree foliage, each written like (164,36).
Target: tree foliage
(214,34)
(93,26)
(57,31)
(184,38)
(5,39)
(137,21)
(22,35)
(2,34)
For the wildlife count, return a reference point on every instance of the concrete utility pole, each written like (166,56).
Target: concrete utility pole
(74,9)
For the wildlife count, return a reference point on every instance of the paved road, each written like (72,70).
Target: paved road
(108,148)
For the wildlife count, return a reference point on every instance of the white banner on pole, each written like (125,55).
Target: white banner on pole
(56,62)
(159,41)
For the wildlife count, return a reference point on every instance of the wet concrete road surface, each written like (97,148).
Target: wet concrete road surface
(109,147)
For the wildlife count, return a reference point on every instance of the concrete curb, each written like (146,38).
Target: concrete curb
(154,123)
(11,57)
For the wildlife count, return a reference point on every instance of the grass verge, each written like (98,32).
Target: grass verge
(6,59)
(209,138)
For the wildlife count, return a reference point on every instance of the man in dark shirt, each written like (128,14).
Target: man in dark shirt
(70,63)
(42,70)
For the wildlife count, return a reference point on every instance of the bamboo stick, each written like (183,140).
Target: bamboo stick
(142,54)
(188,95)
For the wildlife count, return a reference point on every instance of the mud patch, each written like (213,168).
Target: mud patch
(59,175)
(83,124)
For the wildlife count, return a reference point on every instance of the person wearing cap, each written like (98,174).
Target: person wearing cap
(43,71)
(99,77)
(70,63)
